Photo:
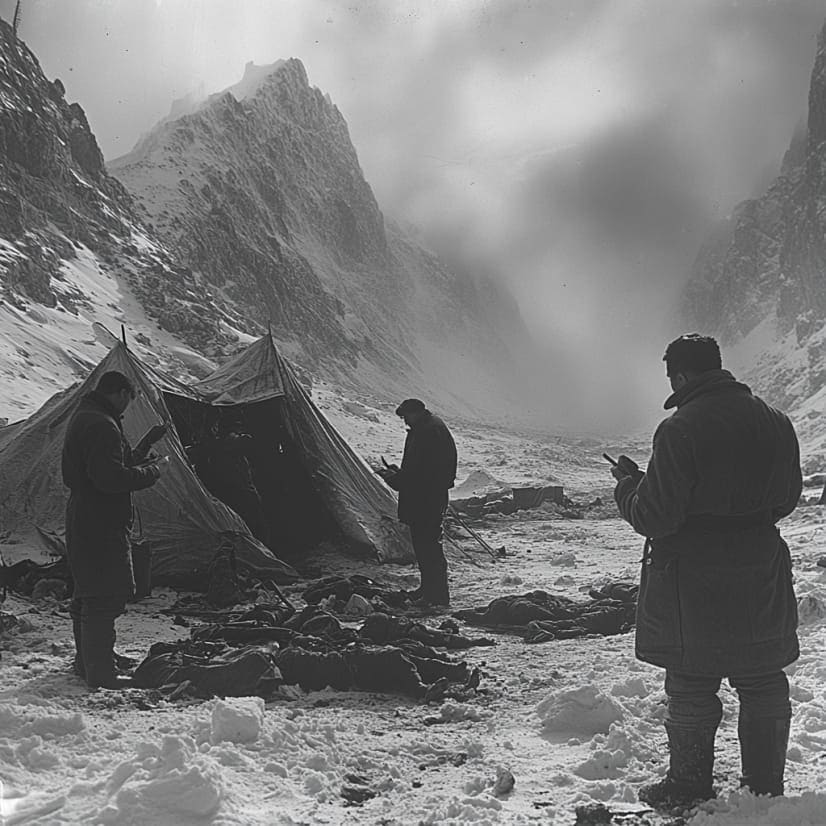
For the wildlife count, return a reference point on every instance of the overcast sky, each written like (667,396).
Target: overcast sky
(576,149)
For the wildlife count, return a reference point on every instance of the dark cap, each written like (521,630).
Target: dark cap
(113,382)
(694,353)
(410,406)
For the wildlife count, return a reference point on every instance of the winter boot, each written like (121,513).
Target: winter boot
(436,596)
(689,775)
(763,742)
(98,641)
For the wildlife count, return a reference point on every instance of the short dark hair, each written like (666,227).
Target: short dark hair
(113,382)
(410,406)
(692,353)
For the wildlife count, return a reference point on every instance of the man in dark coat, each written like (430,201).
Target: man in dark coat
(101,471)
(716,597)
(427,472)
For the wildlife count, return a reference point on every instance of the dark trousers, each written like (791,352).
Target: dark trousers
(93,623)
(426,533)
(694,712)
(693,700)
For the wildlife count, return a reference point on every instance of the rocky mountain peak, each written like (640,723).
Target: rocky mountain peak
(239,212)
(260,191)
(817,95)
(65,222)
(52,177)
(758,283)
(252,79)
(39,130)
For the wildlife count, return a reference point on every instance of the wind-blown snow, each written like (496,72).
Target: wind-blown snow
(574,721)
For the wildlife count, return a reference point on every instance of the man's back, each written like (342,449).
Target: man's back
(91,422)
(716,597)
(430,454)
(745,454)
(724,452)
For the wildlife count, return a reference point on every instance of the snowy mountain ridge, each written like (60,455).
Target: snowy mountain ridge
(75,259)
(259,190)
(244,213)
(758,283)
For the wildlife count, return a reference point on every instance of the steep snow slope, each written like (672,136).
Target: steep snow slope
(74,252)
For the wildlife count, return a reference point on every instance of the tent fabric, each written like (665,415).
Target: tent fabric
(361,504)
(179,520)
(254,375)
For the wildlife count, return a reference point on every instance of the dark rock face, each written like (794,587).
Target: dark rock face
(248,179)
(262,195)
(247,211)
(817,95)
(767,261)
(55,193)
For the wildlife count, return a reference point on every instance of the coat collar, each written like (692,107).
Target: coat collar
(712,381)
(426,417)
(100,401)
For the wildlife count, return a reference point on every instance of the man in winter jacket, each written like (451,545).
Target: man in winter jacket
(716,597)
(427,472)
(101,471)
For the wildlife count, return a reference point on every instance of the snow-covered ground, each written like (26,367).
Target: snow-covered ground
(574,721)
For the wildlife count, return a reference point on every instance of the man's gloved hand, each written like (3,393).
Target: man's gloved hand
(626,468)
(158,465)
(387,472)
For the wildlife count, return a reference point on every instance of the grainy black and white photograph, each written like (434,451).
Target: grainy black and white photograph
(413,412)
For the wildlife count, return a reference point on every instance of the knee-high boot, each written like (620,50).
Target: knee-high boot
(763,743)
(98,642)
(691,766)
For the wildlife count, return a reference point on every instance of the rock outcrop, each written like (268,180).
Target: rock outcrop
(761,277)
(260,192)
(243,211)
(56,198)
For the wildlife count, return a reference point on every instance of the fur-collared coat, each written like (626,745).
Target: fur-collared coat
(716,593)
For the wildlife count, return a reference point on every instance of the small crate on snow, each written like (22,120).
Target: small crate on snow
(527,498)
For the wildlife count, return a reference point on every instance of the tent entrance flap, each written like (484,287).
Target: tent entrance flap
(245,456)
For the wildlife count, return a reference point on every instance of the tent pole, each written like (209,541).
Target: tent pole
(462,551)
(123,334)
(472,532)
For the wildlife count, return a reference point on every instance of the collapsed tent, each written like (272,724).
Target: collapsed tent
(313,486)
(177,519)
